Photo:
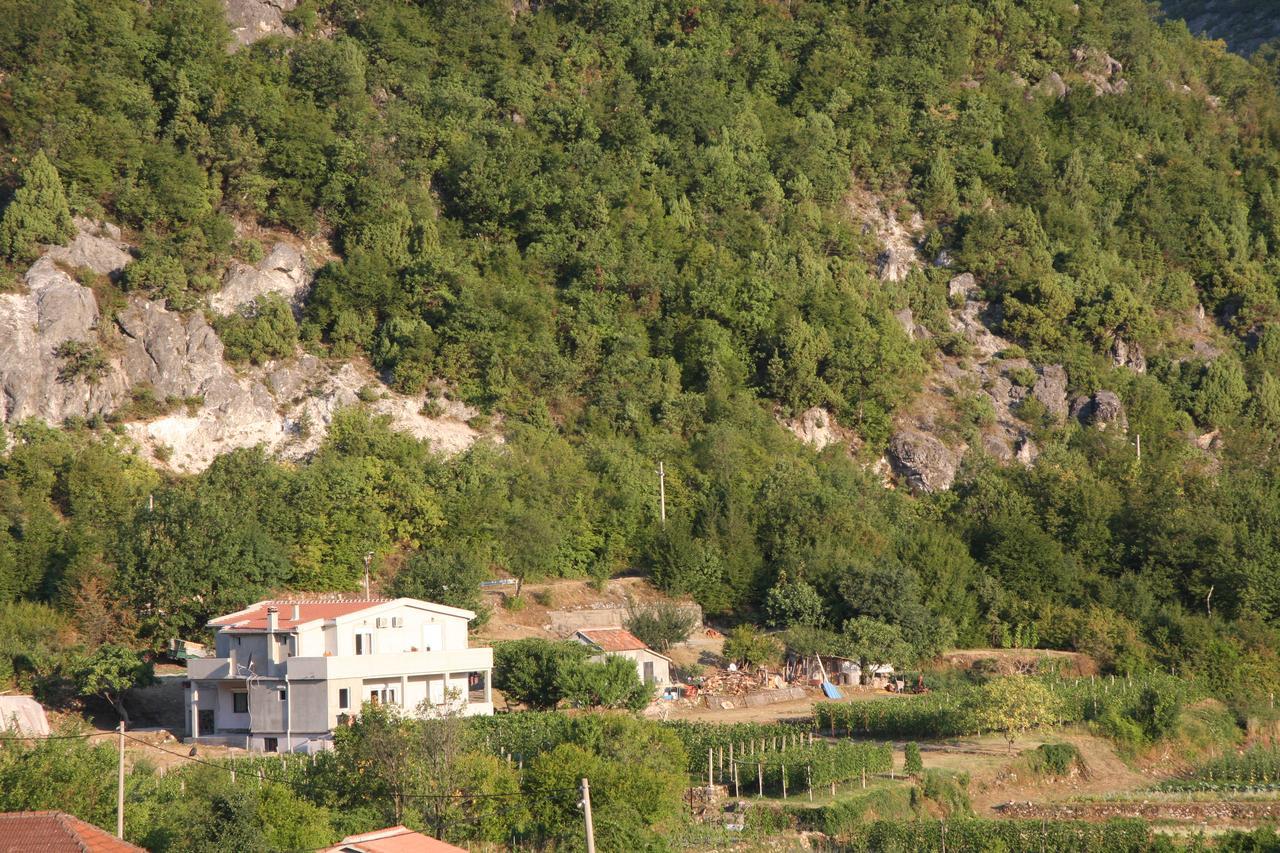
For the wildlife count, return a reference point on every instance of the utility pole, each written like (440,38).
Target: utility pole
(368,558)
(120,788)
(662,494)
(586,815)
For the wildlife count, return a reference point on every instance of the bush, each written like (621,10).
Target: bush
(662,625)
(747,646)
(1055,759)
(80,359)
(911,761)
(260,331)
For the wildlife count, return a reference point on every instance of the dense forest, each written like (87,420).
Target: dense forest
(622,231)
(1245,25)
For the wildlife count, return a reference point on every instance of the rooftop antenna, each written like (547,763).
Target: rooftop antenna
(368,558)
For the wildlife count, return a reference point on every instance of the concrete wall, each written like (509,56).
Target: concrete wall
(565,622)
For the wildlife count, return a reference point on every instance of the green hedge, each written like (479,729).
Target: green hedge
(700,737)
(1001,836)
(822,764)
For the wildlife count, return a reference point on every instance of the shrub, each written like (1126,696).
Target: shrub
(747,646)
(911,762)
(80,359)
(1054,759)
(260,331)
(662,625)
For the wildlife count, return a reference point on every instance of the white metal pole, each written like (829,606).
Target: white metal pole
(586,815)
(662,494)
(120,788)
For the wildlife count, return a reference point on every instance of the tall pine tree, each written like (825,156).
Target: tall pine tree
(37,214)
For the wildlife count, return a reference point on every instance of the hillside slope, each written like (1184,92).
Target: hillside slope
(1245,25)
(978,253)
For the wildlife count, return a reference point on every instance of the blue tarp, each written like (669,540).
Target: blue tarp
(831,690)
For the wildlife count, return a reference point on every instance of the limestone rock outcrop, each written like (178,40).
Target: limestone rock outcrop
(178,360)
(251,20)
(1103,410)
(922,460)
(1051,390)
(283,272)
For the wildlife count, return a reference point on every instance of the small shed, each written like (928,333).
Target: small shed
(652,667)
(23,715)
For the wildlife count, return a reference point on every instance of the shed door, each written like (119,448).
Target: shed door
(648,672)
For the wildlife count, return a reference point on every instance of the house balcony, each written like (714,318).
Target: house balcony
(389,665)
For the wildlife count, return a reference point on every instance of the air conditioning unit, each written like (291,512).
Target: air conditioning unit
(397,621)
(381,622)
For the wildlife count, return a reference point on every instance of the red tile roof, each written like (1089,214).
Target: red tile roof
(613,640)
(56,832)
(397,839)
(254,617)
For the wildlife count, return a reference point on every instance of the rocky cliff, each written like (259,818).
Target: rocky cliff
(61,358)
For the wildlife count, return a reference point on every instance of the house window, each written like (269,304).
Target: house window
(283,694)
(240,703)
(364,643)
(344,698)
(476,686)
(271,744)
(373,696)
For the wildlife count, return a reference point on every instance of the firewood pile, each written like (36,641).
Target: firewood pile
(725,683)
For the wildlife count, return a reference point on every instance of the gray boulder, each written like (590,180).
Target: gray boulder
(179,356)
(963,287)
(251,20)
(96,246)
(1125,354)
(922,460)
(1103,410)
(1051,390)
(895,263)
(283,272)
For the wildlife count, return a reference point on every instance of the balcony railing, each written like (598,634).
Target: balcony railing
(352,666)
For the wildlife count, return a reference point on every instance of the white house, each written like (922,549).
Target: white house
(652,667)
(285,673)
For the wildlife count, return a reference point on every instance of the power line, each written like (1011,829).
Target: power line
(297,786)
(268,777)
(9,736)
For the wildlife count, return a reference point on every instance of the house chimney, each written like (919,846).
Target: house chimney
(297,612)
(272,619)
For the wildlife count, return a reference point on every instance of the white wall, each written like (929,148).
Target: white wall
(409,637)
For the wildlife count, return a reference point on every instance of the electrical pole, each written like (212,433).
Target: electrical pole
(662,494)
(368,558)
(120,788)
(586,815)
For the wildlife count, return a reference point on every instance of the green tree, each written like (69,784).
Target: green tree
(534,671)
(747,646)
(661,625)
(109,671)
(794,602)
(1012,706)
(37,213)
(611,683)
